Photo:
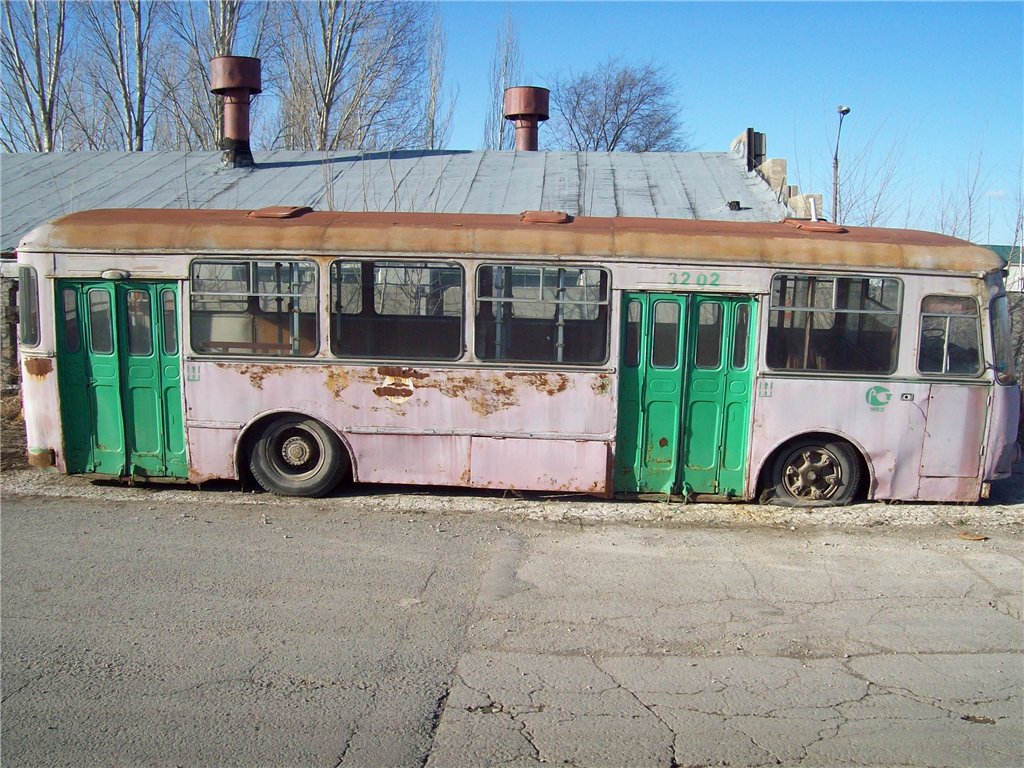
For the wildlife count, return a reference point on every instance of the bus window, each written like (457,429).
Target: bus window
(665,336)
(169,323)
(69,299)
(28,307)
(254,308)
(140,334)
(633,317)
(542,314)
(741,337)
(396,309)
(709,335)
(101,332)
(831,323)
(950,340)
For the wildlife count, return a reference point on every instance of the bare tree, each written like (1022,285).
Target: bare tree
(120,75)
(872,184)
(354,74)
(32,53)
(959,204)
(437,118)
(506,71)
(617,107)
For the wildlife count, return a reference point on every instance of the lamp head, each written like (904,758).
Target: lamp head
(842,109)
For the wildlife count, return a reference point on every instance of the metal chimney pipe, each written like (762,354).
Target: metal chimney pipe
(526,106)
(236,78)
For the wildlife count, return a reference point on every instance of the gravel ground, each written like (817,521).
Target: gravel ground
(1004,511)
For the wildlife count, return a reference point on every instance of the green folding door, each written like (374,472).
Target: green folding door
(119,366)
(684,394)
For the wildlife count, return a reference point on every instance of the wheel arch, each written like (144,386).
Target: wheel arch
(251,430)
(764,469)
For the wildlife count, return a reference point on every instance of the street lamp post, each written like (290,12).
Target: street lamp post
(843,111)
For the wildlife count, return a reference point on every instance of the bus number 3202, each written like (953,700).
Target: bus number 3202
(699,279)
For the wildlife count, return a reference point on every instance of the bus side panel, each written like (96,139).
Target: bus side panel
(42,411)
(40,396)
(480,428)
(211,451)
(949,489)
(482,462)
(413,459)
(1004,420)
(885,421)
(541,465)
(948,445)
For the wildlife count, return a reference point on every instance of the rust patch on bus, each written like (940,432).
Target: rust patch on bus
(602,385)
(484,397)
(396,391)
(39,367)
(401,373)
(41,458)
(256,373)
(198,478)
(337,381)
(548,383)
(487,394)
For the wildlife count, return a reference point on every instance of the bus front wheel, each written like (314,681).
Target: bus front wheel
(816,472)
(296,456)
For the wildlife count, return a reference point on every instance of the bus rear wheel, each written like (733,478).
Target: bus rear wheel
(296,456)
(816,472)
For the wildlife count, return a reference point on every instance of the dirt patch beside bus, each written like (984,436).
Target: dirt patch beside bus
(12,432)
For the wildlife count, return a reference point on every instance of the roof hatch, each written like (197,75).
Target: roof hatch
(545,217)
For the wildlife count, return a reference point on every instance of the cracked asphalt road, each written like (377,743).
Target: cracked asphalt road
(156,628)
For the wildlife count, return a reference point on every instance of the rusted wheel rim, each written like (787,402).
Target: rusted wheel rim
(812,474)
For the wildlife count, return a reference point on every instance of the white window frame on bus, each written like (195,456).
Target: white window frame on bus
(812,357)
(553,298)
(408,338)
(251,310)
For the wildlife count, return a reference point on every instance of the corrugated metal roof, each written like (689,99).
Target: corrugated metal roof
(38,187)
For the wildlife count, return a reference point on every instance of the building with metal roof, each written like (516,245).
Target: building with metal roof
(38,187)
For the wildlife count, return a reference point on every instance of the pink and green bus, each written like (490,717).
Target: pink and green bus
(801,361)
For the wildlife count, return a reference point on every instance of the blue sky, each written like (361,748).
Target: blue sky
(941,85)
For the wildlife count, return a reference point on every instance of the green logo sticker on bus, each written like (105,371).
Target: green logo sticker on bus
(878,397)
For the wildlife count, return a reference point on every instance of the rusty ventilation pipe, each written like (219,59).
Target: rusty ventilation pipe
(526,106)
(236,78)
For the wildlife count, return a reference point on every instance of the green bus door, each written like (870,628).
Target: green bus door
(650,393)
(119,367)
(684,394)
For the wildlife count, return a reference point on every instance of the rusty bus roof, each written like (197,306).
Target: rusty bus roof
(538,234)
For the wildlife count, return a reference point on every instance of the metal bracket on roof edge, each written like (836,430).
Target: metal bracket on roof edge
(545,217)
(816,226)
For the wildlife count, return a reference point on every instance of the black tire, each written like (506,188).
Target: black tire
(296,456)
(816,473)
